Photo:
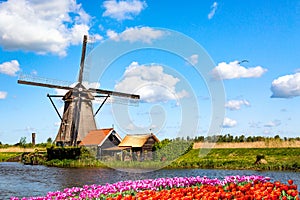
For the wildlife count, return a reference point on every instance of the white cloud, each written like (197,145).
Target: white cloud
(42,26)
(3,95)
(34,73)
(273,123)
(134,34)
(122,10)
(229,123)
(236,104)
(287,86)
(10,68)
(234,70)
(151,83)
(112,35)
(193,59)
(213,10)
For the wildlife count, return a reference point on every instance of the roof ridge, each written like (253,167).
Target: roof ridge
(138,134)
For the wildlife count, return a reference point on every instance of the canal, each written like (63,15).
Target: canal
(21,180)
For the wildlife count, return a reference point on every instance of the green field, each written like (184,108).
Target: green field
(242,158)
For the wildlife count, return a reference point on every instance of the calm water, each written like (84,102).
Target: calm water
(21,180)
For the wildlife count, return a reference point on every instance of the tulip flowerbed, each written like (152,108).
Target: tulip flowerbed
(231,187)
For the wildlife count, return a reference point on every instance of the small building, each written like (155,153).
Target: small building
(140,145)
(97,140)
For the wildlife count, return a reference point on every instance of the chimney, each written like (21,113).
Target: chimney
(33,139)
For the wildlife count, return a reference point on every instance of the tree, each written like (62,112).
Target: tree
(22,141)
(49,140)
(241,138)
(277,137)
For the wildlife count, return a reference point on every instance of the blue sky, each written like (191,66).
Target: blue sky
(261,94)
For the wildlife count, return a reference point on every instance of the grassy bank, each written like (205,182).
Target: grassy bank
(216,158)
(5,156)
(241,158)
(235,158)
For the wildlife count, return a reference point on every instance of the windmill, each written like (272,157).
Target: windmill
(78,116)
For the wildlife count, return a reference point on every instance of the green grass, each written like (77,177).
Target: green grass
(235,158)
(277,158)
(4,156)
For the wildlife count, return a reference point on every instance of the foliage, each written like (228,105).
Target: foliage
(259,157)
(34,158)
(171,149)
(61,153)
(49,140)
(22,142)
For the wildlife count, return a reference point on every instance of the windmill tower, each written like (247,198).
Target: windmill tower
(78,116)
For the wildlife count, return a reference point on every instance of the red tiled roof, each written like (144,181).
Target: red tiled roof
(137,140)
(95,137)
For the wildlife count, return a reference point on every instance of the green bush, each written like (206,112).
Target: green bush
(62,153)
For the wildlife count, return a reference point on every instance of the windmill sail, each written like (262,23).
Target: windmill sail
(78,116)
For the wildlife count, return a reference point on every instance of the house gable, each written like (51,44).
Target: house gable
(139,141)
(99,137)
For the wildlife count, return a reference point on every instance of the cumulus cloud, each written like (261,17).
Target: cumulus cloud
(229,123)
(42,26)
(193,59)
(273,123)
(236,104)
(287,86)
(234,70)
(3,95)
(212,12)
(10,68)
(151,83)
(123,9)
(135,34)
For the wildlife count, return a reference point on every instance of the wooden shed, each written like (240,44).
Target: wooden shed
(97,140)
(140,145)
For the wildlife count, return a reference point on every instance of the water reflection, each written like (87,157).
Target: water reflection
(21,180)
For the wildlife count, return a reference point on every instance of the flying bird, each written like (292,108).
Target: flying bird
(243,61)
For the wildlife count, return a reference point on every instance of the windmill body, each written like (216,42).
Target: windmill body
(78,115)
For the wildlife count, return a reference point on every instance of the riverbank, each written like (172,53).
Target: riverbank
(205,158)
(14,154)
(241,158)
(283,159)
